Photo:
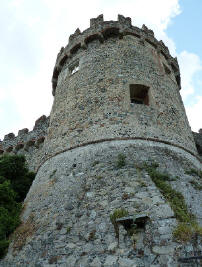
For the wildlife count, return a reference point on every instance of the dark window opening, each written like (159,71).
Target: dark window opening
(137,101)
(199,149)
(139,94)
(111,32)
(74,68)
(174,68)
(167,70)
(75,49)
(178,80)
(92,38)
(63,61)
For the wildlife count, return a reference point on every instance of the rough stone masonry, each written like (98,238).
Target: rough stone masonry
(117,108)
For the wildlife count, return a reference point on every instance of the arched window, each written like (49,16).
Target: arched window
(139,94)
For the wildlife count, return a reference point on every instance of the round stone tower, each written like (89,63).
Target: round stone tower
(115,81)
(117,119)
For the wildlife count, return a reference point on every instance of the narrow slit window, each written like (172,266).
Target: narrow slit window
(139,94)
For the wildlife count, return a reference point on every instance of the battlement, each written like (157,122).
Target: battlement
(117,119)
(25,138)
(198,141)
(101,30)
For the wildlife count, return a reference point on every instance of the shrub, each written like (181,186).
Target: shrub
(3,247)
(187,221)
(15,181)
(9,215)
(14,169)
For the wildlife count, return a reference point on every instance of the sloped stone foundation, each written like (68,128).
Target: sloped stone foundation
(66,217)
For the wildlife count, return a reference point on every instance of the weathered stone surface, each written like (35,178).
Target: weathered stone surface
(110,261)
(112,246)
(84,234)
(28,143)
(91,158)
(198,141)
(115,64)
(164,211)
(123,262)
(96,263)
(163,250)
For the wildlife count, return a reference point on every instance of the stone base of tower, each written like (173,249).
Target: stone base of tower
(66,217)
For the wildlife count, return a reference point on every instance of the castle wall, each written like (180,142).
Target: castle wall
(28,143)
(94,103)
(66,220)
(66,215)
(198,141)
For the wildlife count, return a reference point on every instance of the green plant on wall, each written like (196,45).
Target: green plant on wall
(121,161)
(68,229)
(185,231)
(196,185)
(194,172)
(187,222)
(118,213)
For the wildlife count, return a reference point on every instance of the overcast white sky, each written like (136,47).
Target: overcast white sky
(33,31)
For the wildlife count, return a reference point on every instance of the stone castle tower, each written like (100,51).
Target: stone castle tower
(117,108)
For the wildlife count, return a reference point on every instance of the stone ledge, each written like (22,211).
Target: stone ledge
(148,141)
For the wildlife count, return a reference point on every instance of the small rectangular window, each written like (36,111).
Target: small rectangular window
(167,70)
(74,67)
(139,94)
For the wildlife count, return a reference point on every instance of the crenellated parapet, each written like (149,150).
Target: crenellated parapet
(198,141)
(118,142)
(101,30)
(25,138)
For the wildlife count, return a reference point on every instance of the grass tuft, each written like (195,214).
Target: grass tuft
(118,213)
(185,232)
(187,226)
(194,172)
(121,161)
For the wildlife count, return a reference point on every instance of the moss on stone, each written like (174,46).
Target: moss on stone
(196,185)
(194,172)
(68,229)
(175,199)
(121,161)
(185,232)
(187,225)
